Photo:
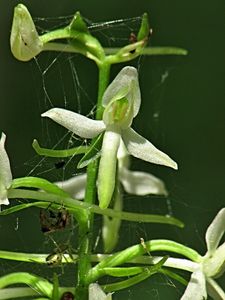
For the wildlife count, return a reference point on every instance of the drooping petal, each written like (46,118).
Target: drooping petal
(196,288)
(5,172)
(111,226)
(126,85)
(24,40)
(96,293)
(107,166)
(75,186)
(141,148)
(215,231)
(78,124)
(141,183)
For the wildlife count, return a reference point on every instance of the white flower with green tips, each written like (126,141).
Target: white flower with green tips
(122,101)
(5,172)
(212,265)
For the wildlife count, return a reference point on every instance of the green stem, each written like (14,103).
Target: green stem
(76,207)
(86,227)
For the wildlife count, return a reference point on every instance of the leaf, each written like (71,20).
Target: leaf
(92,154)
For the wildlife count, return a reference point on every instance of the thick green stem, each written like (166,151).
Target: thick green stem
(86,227)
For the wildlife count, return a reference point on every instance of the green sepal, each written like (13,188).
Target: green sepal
(78,23)
(40,183)
(144,30)
(148,271)
(92,154)
(58,153)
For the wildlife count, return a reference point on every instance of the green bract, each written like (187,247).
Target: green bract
(122,101)
(202,280)
(5,172)
(24,40)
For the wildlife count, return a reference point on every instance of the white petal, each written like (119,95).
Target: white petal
(124,83)
(75,186)
(215,231)
(96,293)
(78,124)
(107,167)
(141,183)
(5,172)
(196,288)
(141,148)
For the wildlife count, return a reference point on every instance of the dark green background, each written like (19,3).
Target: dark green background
(190,126)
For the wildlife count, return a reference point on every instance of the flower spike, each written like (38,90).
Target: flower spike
(121,100)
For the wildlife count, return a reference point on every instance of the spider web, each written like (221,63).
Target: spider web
(60,80)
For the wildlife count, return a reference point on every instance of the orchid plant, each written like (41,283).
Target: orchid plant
(100,187)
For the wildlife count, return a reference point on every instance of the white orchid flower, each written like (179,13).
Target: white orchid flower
(5,172)
(122,101)
(212,265)
(96,293)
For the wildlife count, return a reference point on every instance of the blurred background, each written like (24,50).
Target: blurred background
(182,113)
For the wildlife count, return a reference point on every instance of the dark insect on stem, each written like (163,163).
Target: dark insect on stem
(67,296)
(51,220)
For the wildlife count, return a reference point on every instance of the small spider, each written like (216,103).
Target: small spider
(63,251)
(51,220)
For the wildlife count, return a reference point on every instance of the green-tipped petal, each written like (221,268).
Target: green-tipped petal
(96,293)
(196,288)
(74,186)
(24,40)
(215,231)
(107,167)
(141,183)
(78,124)
(141,148)
(124,85)
(5,172)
